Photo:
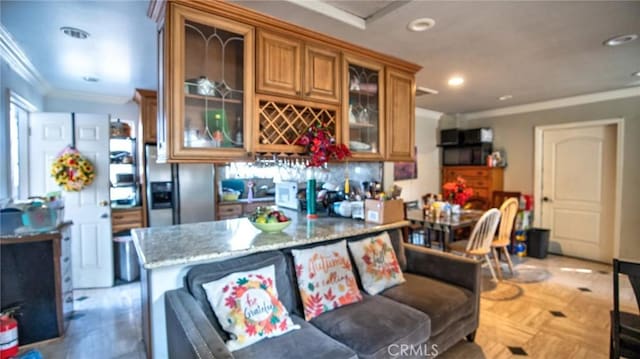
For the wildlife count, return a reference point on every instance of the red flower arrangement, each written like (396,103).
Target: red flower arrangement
(457,191)
(321,145)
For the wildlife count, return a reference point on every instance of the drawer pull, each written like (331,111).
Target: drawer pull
(66,259)
(68,300)
(66,238)
(67,279)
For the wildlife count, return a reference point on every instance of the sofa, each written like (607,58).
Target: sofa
(435,308)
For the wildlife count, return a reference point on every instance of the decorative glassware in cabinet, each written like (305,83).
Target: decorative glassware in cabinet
(213,87)
(364,121)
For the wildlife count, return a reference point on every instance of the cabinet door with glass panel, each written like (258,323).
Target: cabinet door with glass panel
(363,108)
(210,94)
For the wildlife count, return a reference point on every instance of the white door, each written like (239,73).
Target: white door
(91,245)
(578,189)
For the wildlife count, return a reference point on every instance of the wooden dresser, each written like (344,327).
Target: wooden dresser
(483,180)
(36,276)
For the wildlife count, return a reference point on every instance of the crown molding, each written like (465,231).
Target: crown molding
(12,53)
(88,97)
(332,12)
(558,103)
(429,114)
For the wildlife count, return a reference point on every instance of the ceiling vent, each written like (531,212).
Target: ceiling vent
(74,32)
(421,91)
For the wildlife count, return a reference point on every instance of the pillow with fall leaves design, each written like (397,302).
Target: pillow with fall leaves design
(247,306)
(325,278)
(377,263)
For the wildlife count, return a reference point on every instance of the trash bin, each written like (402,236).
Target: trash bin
(126,258)
(537,242)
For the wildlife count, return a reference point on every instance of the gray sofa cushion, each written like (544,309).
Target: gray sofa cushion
(443,303)
(307,342)
(369,327)
(208,272)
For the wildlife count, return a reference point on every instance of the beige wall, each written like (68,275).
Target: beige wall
(428,180)
(515,134)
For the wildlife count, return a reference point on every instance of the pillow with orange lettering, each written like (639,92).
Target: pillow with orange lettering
(247,306)
(325,278)
(377,263)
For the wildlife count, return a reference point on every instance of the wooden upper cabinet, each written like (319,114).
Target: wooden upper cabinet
(148,103)
(322,74)
(279,64)
(281,71)
(363,116)
(209,73)
(400,107)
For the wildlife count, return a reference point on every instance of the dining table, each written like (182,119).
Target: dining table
(444,225)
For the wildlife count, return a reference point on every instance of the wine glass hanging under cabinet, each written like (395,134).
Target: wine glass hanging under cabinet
(213,72)
(363,121)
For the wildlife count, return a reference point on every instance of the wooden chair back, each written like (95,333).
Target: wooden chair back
(508,211)
(498,197)
(483,231)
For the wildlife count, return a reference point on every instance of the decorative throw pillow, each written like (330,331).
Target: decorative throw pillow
(247,306)
(377,263)
(325,278)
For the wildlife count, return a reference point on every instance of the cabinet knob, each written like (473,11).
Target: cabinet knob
(546,199)
(103,203)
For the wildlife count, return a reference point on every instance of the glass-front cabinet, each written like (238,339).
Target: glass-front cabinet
(210,86)
(363,118)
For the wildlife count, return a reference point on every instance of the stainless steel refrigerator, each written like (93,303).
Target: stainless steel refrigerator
(178,193)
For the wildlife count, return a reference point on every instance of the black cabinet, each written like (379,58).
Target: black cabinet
(466,147)
(36,277)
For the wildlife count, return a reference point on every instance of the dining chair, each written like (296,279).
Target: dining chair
(498,197)
(479,243)
(508,211)
(625,327)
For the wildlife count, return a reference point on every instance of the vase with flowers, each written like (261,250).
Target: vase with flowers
(320,144)
(457,192)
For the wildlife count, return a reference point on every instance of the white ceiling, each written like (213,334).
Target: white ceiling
(121,50)
(534,51)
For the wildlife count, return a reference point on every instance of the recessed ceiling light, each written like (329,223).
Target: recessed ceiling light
(90,79)
(505,97)
(421,24)
(620,40)
(637,73)
(74,32)
(455,81)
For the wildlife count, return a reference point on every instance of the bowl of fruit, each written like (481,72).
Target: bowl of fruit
(269,220)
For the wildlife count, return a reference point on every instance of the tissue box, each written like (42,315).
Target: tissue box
(383,212)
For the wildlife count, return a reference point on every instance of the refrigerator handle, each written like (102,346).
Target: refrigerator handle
(175,178)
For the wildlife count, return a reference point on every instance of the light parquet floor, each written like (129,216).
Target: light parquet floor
(513,313)
(524,319)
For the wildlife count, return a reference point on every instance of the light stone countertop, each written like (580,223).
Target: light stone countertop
(198,242)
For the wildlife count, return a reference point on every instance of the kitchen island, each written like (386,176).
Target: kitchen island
(166,254)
